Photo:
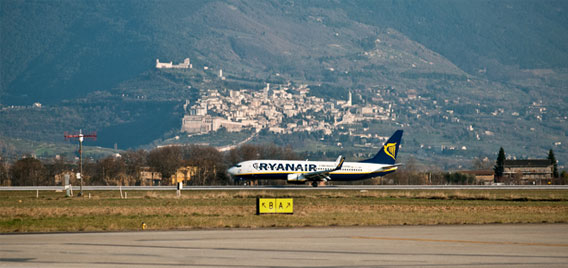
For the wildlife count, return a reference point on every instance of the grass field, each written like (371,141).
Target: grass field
(162,210)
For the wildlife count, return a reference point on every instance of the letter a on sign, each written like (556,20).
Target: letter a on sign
(285,205)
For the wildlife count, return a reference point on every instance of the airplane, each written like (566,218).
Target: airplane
(299,172)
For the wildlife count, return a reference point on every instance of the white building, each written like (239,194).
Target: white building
(198,124)
(169,65)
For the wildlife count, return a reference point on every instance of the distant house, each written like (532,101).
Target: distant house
(183,174)
(485,177)
(59,179)
(149,177)
(530,171)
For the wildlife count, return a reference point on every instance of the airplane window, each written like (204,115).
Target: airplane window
(237,165)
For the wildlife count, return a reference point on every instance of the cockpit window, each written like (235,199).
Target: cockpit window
(237,165)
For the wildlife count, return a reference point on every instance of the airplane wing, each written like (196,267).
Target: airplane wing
(324,174)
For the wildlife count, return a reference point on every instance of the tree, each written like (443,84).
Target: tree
(28,172)
(459,178)
(4,176)
(135,161)
(111,171)
(564,177)
(209,164)
(260,151)
(500,164)
(408,174)
(165,160)
(56,167)
(554,163)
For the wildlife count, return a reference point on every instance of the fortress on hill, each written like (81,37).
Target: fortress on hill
(169,65)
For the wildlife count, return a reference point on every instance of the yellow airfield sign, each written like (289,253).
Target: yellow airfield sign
(285,205)
(274,206)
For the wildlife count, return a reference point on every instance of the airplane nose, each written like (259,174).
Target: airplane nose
(232,170)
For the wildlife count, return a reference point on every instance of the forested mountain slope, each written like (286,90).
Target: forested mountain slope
(91,65)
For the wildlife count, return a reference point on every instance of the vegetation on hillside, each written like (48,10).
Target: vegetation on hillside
(483,75)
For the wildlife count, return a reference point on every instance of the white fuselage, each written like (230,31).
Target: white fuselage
(279,169)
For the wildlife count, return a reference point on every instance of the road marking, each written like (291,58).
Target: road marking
(460,241)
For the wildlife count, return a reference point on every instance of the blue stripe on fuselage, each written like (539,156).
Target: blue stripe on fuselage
(334,177)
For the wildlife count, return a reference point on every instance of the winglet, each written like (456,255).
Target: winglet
(339,162)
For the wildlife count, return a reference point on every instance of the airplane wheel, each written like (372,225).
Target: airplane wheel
(315,184)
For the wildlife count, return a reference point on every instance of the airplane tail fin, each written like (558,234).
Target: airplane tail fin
(387,154)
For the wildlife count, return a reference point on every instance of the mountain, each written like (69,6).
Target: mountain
(91,66)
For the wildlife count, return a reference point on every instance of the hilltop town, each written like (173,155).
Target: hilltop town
(290,107)
(284,110)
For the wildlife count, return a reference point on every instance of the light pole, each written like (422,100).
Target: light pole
(81,137)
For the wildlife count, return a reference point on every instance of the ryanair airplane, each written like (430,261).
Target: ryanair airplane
(295,171)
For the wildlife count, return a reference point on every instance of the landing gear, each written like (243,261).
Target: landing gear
(315,183)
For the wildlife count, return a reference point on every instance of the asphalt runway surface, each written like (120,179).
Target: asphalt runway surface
(535,245)
(290,187)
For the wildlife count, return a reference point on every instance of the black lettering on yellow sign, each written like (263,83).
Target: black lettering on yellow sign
(285,205)
(274,206)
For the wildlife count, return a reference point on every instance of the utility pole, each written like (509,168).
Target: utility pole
(81,137)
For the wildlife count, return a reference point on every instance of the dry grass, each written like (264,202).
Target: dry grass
(163,210)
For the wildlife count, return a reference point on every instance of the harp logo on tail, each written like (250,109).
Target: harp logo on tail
(390,149)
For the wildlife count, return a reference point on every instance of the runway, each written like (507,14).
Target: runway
(538,245)
(291,187)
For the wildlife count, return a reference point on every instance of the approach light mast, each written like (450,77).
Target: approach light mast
(80,137)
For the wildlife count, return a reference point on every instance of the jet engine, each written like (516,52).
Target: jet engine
(296,178)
